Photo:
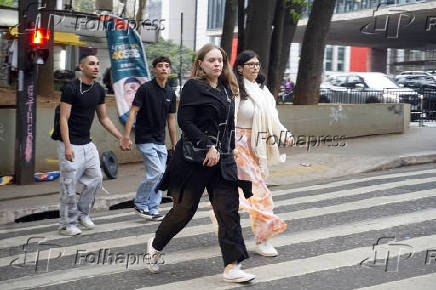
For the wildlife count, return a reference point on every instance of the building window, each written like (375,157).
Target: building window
(215,14)
(328,58)
(340,59)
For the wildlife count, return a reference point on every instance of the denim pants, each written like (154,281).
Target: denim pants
(85,168)
(155,157)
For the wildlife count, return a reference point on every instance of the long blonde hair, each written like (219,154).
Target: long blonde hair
(226,76)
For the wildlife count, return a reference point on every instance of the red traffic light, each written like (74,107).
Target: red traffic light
(40,37)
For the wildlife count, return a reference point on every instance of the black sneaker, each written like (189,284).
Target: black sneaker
(143,213)
(157,217)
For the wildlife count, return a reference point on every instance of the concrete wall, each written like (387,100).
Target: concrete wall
(345,120)
(46,149)
(322,120)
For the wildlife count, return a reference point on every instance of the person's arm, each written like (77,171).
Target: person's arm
(187,113)
(172,129)
(65,112)
(125,142)
(285,136)
(186,118)
(106,122)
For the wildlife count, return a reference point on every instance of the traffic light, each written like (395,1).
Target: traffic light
(39,45)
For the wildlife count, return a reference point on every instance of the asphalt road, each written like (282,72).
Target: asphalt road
(370,231)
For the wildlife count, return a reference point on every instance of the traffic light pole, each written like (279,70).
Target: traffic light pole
(25,125)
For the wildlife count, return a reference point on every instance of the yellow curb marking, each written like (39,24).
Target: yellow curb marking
(299,170)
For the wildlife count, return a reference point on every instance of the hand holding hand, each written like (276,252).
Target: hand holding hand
(125,143)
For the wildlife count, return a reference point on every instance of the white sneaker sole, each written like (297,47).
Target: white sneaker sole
(144,216)
(266,254)
(64,233)
(240,280)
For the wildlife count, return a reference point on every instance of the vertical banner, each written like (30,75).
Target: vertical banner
(129,65)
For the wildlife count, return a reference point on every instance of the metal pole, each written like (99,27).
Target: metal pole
(26,96)
(181,50)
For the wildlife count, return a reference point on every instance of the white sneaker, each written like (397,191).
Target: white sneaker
(214,221)
(153,256)
(233,273)
(70,231)
(86,221)
(266,249)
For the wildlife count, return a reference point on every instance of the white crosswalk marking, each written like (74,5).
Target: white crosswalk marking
(295,268)
(275,193)
(385,194)
(425,282)
(53,235)
(279,241)
(198,230)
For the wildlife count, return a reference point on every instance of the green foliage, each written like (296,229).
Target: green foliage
(86,6)
(295,15)
(171,50)
(9,3)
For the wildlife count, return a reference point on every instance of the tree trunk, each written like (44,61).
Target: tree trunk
(140,14)
(283,34)
(45,71)
(229,26)
(258,31)
(312,53)
(241,25)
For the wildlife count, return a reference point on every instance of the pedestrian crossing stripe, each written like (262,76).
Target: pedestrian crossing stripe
(293,201)
(424,282)
(284,239)
(275,194)
(265,273)
(293,268)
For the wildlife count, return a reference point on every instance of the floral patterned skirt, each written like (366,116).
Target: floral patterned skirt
(264,223)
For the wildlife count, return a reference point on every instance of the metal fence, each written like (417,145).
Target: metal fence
(422,102)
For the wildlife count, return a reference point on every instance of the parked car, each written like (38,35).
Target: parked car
(366,87)
(417,82)
(413,72)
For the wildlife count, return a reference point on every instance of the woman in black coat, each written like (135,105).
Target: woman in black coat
(206,117)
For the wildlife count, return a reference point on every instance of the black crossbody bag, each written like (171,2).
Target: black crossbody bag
(195,154)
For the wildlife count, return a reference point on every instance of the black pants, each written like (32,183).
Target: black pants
(223,195)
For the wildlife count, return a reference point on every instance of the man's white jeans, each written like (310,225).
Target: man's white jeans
(85,169)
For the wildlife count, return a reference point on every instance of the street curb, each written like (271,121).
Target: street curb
(102,202)
(404,161)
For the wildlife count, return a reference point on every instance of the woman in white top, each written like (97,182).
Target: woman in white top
(259,134)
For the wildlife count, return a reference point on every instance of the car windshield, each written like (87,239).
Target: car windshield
(380,82)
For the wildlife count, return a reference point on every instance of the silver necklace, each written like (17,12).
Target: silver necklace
(85,91)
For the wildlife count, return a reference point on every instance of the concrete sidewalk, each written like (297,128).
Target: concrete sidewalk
(357,155)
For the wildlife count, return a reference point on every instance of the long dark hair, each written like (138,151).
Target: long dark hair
(241,59)
(226,76)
